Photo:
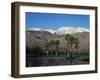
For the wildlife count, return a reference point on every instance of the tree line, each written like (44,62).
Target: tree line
(72,47)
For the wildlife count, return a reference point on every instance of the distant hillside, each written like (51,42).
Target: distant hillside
(40,38)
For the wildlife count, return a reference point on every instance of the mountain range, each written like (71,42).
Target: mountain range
(40,37)
(61,30)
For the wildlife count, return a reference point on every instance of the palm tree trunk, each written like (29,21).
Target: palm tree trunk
(57,50)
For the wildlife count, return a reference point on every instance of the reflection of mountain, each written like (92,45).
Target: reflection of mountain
(39,38)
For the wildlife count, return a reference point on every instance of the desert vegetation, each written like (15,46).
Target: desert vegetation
(51,55)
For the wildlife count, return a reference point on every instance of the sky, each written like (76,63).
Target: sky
(55,21)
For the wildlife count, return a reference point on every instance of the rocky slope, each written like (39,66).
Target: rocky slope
(39,38)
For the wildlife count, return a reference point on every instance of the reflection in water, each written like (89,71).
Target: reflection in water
(52,61)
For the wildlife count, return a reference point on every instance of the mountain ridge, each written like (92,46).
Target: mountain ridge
(39,38)
(61,30)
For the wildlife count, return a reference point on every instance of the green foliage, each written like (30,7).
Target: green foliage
(57,42)
(76,41)
(54,43)
(71,39)
(84,56)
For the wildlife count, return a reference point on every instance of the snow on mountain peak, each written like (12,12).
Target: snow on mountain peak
(69,30)
(62,30)
(50,30)
(34,28)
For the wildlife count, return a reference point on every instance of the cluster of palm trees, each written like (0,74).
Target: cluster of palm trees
(72,45)
(52,43)
(52,47)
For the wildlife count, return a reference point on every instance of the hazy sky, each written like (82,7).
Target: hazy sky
(54,21)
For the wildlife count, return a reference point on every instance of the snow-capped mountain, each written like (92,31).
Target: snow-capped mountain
(34,28)
(69,30)
(40,29)
(62,30)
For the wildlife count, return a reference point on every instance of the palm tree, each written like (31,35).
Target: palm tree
(47,48)
(52,43)
(70,42)
(76,41)
(73,46)
(57,42)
